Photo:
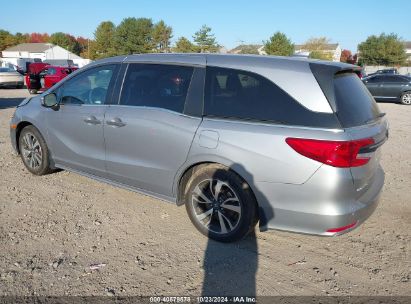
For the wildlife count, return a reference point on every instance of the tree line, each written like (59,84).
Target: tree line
(142,35)
(76,45)
(131,36)
(385,49)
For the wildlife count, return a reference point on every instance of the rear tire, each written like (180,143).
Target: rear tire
(406,98)
(220,203)
(34,152)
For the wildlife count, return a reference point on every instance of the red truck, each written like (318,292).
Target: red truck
(42,76)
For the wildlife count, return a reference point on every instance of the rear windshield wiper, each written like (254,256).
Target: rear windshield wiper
(375,118)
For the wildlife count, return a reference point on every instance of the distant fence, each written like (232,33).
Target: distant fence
(373,68)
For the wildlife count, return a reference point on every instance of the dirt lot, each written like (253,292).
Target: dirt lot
(52,228)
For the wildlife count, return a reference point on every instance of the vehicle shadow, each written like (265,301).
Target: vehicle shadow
(388,101)
(230,268)
(10,102)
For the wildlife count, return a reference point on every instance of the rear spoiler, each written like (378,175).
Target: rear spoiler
(324,74)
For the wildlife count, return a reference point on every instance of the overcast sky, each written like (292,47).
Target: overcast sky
(233,22)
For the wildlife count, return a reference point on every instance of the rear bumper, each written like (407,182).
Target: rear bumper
(320,204)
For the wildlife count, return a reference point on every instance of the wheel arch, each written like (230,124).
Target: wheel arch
(20,126)
(186,171)
(184,177)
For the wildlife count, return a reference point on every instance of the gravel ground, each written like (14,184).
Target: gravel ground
(54,227)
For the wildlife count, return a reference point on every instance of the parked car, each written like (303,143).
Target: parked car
(236,139)
(385,71)
(42,76)
(32,77)
(10,78)
(390,87)
(53,74)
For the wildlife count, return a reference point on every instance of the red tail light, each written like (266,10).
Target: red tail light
(341,154)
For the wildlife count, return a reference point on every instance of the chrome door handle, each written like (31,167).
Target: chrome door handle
(92,120)
(116,122)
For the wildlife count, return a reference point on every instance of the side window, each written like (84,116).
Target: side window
(89,87)
(244,95)
(395,79)
(156,85)
(375,79)
(384,78)
(51,71)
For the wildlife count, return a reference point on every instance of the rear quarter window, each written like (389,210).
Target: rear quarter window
(355,104)
(243,95)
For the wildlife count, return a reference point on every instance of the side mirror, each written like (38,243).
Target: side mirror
(49,101)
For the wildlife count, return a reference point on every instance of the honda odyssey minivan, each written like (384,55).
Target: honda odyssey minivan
(289,143)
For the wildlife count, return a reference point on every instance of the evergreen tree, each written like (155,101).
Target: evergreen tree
(279,44)
(205,40)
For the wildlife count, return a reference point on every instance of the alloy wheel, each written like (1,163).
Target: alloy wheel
(216,206)
(406,98)
(31,151)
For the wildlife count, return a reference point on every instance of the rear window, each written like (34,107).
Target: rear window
(243,95)
(355,104)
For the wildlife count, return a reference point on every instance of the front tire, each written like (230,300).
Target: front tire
(34,152)
(406,98)
(220,203)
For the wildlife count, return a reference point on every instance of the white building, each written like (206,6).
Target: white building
(42,51)
(333,49)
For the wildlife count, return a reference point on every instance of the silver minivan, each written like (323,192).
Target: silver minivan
(291,143)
